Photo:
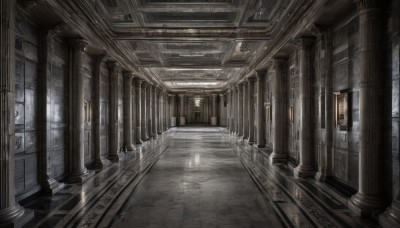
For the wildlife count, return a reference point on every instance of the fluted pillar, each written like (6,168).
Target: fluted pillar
(279,149)
(181,110)
(128,137)
(240,110)
(76,52)
(245,112)
(214,110)
(306,166)
(11,213)
(98,164)
(137,83)
(222,117)
(158,101)
(235,111)
(148,111)
(173,110)
(370,196)
(46,169)
(260,110)
(143,112)
(153,112)
(250,108)
(113,111)
(229,113)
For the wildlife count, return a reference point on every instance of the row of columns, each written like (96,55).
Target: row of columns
(370,196)
(214,110)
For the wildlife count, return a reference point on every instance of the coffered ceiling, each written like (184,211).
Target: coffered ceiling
(186,45)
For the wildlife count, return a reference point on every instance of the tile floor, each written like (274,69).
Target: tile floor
(195,177)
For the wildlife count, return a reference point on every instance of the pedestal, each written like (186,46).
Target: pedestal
(213,121)
(173,121)
(182,121)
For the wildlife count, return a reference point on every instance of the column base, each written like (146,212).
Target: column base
(249,142)
(173,121)
(16,216)
(366,206)
(113,158)
(51,187)
(100,164)
(154,136)
(303,171)
(320,175)
(259,145)
(130,147)
(213,121)
(391,217)
(139,142)
(277,159)
(79,178)
(182,121)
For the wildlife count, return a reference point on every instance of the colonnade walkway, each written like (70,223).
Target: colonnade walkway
(195,176)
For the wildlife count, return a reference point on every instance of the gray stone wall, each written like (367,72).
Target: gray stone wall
(26,108)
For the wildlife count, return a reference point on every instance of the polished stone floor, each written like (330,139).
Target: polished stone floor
(198,182)
(195,177)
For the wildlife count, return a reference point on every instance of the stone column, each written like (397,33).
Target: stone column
(279,116)
(128,110)
(260,110)
(325,165)
(164,108)
(370,196)
(113,111)
(167,111)
(49,185)
(77,169)
(11,213)
(250,107)
(222,121)
(245,127)
(153,112)
(229,113)
(159,124)
(240,110)
(235,111)
(172,98)
(148,111)
(98,164)
(144,112)
(181,110)
(214,110)
(306,166)
(137,82)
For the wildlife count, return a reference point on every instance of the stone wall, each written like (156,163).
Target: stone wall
(26,108)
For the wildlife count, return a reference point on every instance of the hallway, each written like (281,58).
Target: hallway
(197,182)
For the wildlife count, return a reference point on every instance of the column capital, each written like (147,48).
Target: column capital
(112,65)
(251,79)
(214,95)
(363,5)
(100,57)
(171,95)
(260,74)
(276,63)
(181,95)
(221,94)
(77,44)
(128,74)
(304,42)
